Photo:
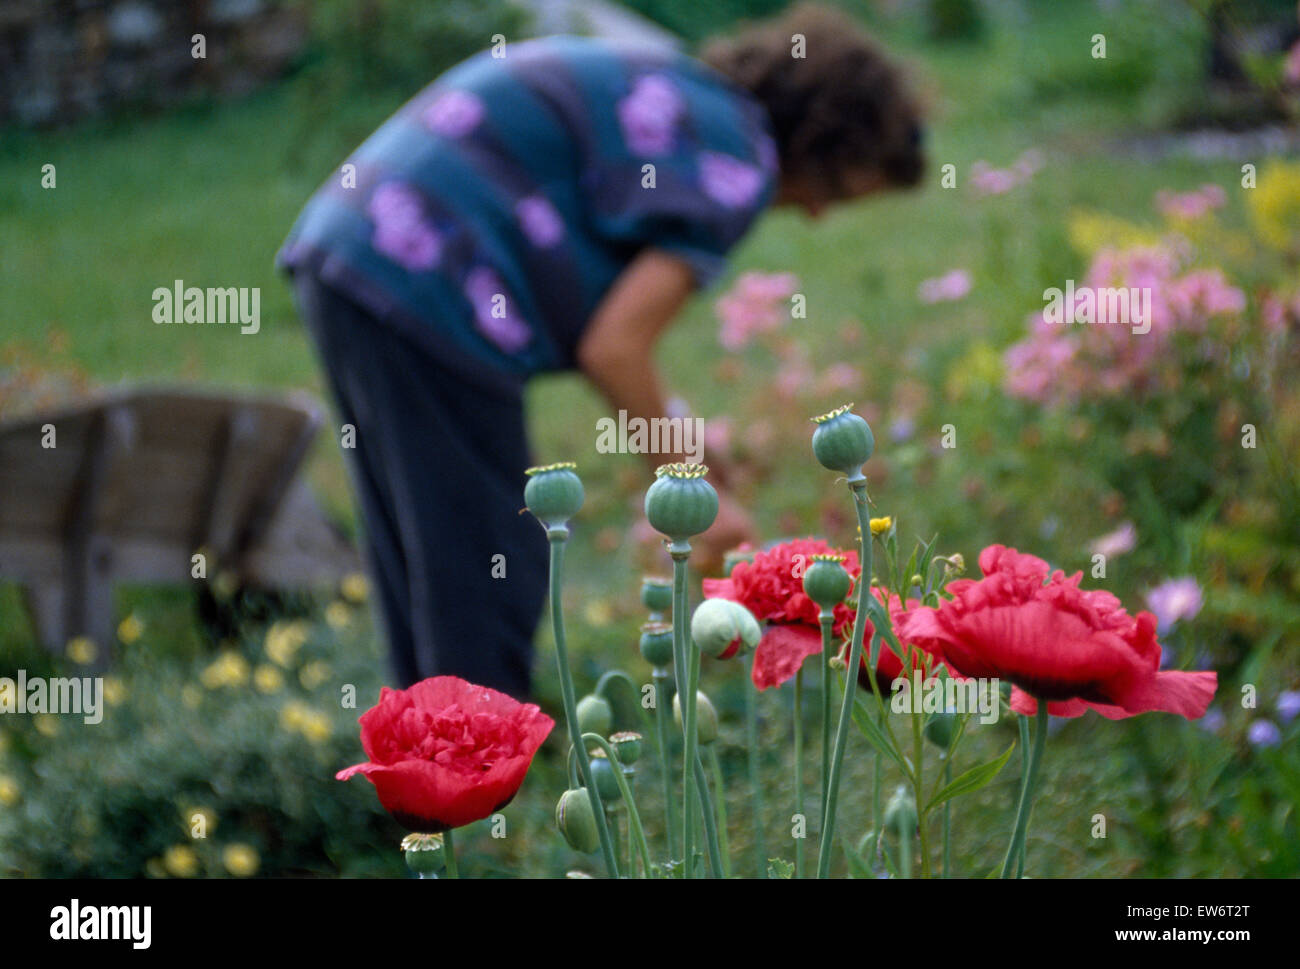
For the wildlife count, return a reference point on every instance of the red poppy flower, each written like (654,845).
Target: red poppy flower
(445,752)
(771,587)
(889,666)
(1077,649)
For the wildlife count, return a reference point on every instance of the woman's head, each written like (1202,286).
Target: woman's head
(846,124)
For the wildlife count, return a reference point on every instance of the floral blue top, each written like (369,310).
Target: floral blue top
(491,213)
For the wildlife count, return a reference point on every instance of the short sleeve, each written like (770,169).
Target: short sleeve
(690,169)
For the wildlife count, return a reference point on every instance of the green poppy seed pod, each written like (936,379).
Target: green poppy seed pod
(900,813)
(657,644)
(706,717)
(576,820)
(680,503)
(424,854)
(843,442)
(594,715)
(657,593)
(627,744)
(602,774)
(553,493)
(941,728)
(722,629)
(826,581)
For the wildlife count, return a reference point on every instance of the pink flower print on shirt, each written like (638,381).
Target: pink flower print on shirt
(454,114)
(649,114)
(494,313)
(540,222)
(401,231)
(729,181)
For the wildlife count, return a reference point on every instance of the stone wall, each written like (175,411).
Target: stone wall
(61,60)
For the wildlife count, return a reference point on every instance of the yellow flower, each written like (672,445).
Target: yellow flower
(1275,204)
(314,674)
(181,861)
(229,669)
(316,728)
(355,588)
(337,614)
(267,679)
(240,860)
(293,715)
(9,791)
(82,649)
(191,696)
(129,629)
(284,639)
(881,525)
(312,724)
(114,691)
(598,612)
(46,724)
(1092,231)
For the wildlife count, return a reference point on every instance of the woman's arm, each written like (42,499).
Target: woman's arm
(617,354)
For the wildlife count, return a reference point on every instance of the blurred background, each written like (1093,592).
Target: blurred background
(1171,162)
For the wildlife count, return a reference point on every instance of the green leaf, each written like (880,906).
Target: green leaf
(779,868)
(866,725)
(858,867)
(972,780)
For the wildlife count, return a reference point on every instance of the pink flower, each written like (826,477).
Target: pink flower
(987,180)
(649,115)
(539,220)
(1118,542)
(1205,293)
(757,303)
(729,181)
(1174,601)
(454,113)
(945,288)
(1187,206)
(493,312)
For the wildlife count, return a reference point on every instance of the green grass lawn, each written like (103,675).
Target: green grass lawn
(206,195)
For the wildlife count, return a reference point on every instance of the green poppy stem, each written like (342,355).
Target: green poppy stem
(859,491)
(826,621)
(947,819)
(661,678)
(798,771)
(449,854)
(755,782)
(1024,776)
(636,833)
(557,536)
(720,794)
(680,552)
(1017,847)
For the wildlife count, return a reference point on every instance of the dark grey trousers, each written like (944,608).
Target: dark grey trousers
(438,467)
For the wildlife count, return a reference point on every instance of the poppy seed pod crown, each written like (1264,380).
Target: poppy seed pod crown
(827,581)
(554,493)
(843,442)
(680,503)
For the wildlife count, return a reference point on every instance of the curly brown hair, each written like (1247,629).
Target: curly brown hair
(843,105)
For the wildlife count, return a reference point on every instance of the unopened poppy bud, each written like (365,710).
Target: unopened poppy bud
(424,854)
(706,717)
(627,744)
(827,581)
(941,728)
(602,774)
(657,644)
(955,564)
(680,503)
(915,580)
(721,628)
(553,493)
(900,813)
(594,714)
(838,664)
(657,593)
(843,442)
(577,821)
